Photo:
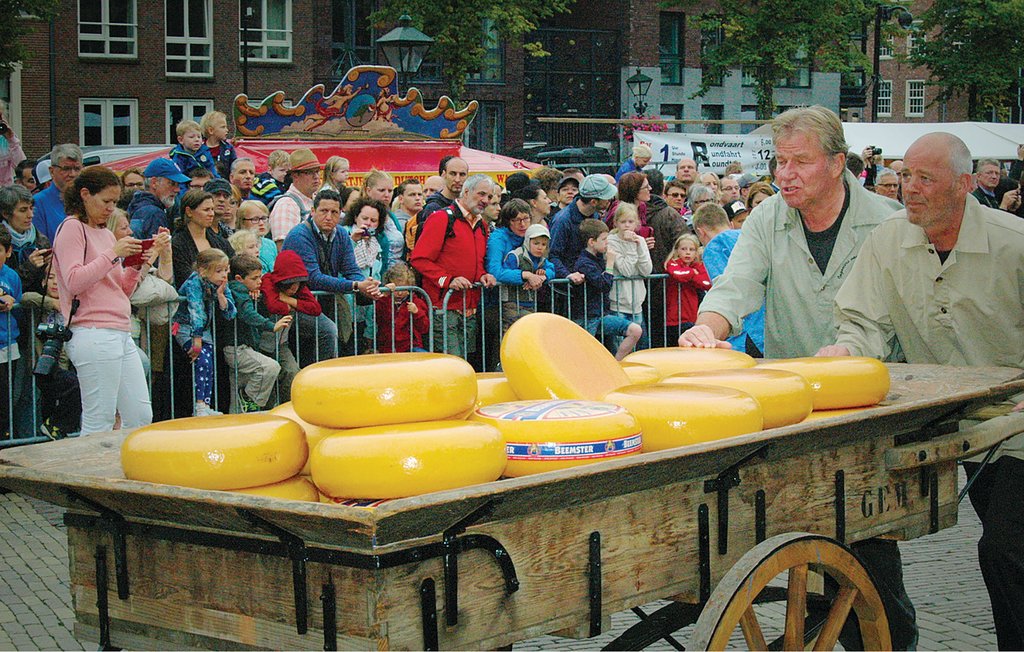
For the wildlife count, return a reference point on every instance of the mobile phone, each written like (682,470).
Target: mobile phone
(136,259)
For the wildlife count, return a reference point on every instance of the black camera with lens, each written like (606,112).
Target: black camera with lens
(876,150)
(53,336)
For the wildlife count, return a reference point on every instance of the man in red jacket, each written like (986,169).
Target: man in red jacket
(449,256)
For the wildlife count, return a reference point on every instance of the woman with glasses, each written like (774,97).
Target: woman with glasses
(253,215)
(513,220)
(699,194)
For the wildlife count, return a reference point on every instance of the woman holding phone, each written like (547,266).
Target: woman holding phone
(94,289)
(31,248)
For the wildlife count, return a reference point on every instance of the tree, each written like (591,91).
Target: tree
(14,23)
(458,29)
(973,47)
(770,39)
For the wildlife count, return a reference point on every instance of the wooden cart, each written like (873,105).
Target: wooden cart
(707,526)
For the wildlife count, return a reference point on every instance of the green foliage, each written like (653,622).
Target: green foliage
(973,47)
(457,27)
(767,38)
(16,21)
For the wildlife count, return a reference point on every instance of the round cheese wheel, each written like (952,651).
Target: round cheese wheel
(297,488)
(235,451)
(677,360)
(679,415)
(640,374)
(840,382)
(384,388)
(785,397)
(547,435)
(408,459)
(817,415)
(493,387)
(546,356)
(313,433)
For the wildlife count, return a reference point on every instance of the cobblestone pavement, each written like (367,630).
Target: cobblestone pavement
(941,573)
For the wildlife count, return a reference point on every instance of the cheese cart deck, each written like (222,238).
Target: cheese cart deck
(707,526)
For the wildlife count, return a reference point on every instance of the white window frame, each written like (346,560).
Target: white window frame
(105,37)
(885,98)
(914,34)
(913,95)
(188,106)
(885,48)
(257,36)
(107,116)
(189,41)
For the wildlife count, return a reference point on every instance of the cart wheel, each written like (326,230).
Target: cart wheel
(731,603)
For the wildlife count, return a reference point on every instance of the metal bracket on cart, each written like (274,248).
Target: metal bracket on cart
(726,480)
(115,524)
(298,554)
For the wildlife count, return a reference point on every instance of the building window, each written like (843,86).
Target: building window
(108,121)
(673,112)
(885,50)
(712,112)
(352,42)
(915,36)
(487,131)
(178,110)
(748,112)
(671,49)
(189,38)
(106,28)
(270,30)
(492,69)
(709,40)
(885,98)
(801,75)
(915,98)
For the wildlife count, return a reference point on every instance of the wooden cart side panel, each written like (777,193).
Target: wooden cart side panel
(232,597)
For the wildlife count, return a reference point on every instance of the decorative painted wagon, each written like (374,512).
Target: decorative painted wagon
(707,526)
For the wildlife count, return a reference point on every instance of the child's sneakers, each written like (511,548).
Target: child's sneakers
(204,410)
(51,430)
(246,404)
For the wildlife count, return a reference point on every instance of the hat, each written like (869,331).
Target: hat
(164,167)
(303,159)
(536,231)
(568,181)
(734,209)
(43,171)
(747,180)
(217,186)
(596,186)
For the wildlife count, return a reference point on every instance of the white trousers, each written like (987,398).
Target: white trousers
(111,379)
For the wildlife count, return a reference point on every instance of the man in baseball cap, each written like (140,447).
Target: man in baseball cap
(737,213)
(568,188)
(594,196)
(147,211)
(295,205)
(222,193)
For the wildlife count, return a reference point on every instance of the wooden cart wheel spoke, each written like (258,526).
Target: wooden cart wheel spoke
(731,603)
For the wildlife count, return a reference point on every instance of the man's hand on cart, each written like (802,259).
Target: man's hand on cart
(709,332)
(832,350)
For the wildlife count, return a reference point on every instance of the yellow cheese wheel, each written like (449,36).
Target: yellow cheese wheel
(640,374)
(677,360)
(235,451)
(547,435)
(840,382)
(384,388)
(493,387)
(297,488)
(818,415)
(408,459)
(679,415)
(546,356)
(313,433)
(785,397)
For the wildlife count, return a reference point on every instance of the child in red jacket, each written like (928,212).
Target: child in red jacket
(403,319)
(687,276)
(284,289)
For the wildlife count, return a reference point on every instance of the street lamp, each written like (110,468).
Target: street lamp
(405,47)
(638,85)
(884,13)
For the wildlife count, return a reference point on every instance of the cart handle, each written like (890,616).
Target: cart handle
(956,445)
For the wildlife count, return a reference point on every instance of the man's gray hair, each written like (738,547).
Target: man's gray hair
(240,159)
(699,191)
(473,181)
(887,172)
(69,151)
(982,162)
(817,121)
(960,157)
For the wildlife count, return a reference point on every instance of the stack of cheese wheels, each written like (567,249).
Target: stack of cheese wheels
(493,387)
(384,388)
(678,415)
(546,356)
(313,433)
(230,452)
(840,382)
(640,374)
(557,434)
(396,461)
(677,360)
(785,397)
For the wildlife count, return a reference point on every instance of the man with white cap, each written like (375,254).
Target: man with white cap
(295,205)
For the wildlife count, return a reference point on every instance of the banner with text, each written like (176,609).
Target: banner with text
(714,151)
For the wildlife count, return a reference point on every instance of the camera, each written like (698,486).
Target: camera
(876,150)
(53,336)
(4,128)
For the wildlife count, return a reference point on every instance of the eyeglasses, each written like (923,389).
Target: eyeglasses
(887,185)
(703,201)
(69,168)
(520,220)
(262,218)
(137,184)
(676,194)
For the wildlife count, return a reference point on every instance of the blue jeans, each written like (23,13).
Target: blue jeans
(645,340)
(316,339)
(607,328)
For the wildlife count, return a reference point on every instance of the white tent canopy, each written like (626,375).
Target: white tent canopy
(984,139)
